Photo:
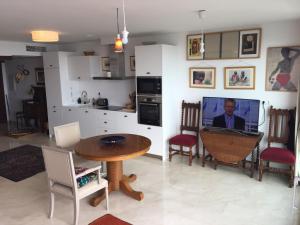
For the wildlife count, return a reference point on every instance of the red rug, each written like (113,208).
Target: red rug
(109,219)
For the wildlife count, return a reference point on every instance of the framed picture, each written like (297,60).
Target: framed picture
(105,63)
(39,76)
(212,45)
(202,77)
(132,63)
(250,43)
(230,45)
(283,68)
(239,77)
(193,47)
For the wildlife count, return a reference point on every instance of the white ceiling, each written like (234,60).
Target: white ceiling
(80,20)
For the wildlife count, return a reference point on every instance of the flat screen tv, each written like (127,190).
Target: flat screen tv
(231,113)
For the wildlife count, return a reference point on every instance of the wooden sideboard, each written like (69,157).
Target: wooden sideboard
(230,148)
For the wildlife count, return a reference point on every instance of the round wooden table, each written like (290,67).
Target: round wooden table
(114,154)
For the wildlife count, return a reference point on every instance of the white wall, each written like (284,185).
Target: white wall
(20,91)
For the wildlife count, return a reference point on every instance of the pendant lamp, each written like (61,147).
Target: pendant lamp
(125,33)
(201,16)
(118,41)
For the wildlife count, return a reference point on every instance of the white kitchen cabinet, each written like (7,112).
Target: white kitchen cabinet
(70,114)
(54,118)
(84,67)
(53,88)
(50,60)
(126,122)
(89,123)
(148,60)
(155,134)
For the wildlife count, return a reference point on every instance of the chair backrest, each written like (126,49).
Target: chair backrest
(67,135)
(279,126)
(59,166)
(190,116)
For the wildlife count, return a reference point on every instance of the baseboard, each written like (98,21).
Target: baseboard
(153,156)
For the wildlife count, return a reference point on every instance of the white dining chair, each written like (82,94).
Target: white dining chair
(67,135)
(62,179)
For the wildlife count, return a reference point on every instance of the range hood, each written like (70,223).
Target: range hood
(117,66)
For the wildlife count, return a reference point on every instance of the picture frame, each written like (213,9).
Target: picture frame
(132,63)
(250,43)
(212,45)
(105,63)
(230,44)
(282,68)
(242,77)
(40,76)
(193,47)
(202,77)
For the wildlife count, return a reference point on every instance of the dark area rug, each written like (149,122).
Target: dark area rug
(22,162)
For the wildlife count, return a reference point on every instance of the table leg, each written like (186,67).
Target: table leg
(118,182)
(257,157)
(252,164)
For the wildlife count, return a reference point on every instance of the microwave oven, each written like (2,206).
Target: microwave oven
(149,86)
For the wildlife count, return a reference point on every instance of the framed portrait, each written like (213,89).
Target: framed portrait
(132,63)
(39,76)
(249,46)
(283,68)
(230,45)
(212,45)
(202,77)
(239,77)
(105,62)
(193,47)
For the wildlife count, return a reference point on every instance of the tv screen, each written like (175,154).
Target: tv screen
(231,113)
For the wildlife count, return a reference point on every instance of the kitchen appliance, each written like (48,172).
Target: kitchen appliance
(150,110)
(149,86)
(101,102)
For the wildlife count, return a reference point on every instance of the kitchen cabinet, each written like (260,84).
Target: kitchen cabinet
(89,123)
(155,134)
(54,118)
(50,60)
(70,114)
(53,88)
(84,67)
(148,60)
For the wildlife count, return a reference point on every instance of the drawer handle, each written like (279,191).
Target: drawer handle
(105,113)
(149,128)
(86,111)
(125,116)
(54,111)
(105,122)
(78,78)
(69,110)
(50,65)
(148,73)
(105,130)
(54,106)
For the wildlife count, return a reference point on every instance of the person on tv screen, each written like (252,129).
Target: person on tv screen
(228,119)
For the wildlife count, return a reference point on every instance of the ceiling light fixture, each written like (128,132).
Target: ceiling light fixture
(118,40)
(201,17)
(44,36)
(125,33)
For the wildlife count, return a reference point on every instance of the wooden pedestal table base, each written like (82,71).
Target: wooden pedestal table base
(114,155)
(116,182)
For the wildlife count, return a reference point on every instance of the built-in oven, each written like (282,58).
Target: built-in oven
(149,110)
(149,86)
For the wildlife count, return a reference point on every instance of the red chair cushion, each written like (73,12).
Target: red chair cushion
(183,140)
(109,219)
(280,155)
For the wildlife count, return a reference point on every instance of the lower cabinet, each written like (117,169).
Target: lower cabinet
(54,119)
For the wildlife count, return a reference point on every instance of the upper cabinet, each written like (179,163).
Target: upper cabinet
(84,67)
(51,60)
(148,60)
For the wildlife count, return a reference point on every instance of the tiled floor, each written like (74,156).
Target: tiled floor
(175,194)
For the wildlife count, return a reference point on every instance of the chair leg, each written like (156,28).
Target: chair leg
(197,150)
(51,205)
(261,169)
(292,168)
(203,156)
(106,196)
(190,156)
(170,153)
(215,164)
(76,211)
(181,150)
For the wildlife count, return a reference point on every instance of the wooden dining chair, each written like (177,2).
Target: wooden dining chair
(63,180)
(190,119)
(278,133)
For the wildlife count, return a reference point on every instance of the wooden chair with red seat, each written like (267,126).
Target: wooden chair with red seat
(190,117)
(278,133)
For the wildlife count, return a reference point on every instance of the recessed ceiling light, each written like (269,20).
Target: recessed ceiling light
(44,36)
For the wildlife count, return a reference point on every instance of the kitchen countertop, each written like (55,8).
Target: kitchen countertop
(109,107)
